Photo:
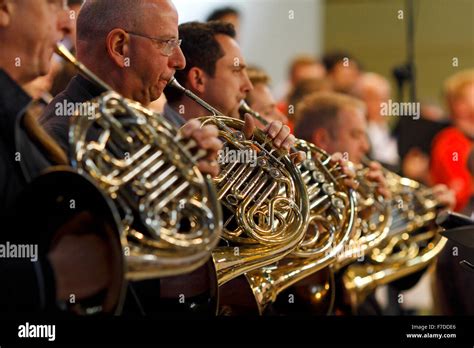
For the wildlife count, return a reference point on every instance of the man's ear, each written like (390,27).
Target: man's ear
(5,13)
(197,79)
(118,47)
(321,138)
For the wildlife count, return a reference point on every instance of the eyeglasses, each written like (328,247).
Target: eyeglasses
(168,45)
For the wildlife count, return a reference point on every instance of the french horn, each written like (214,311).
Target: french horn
(412,243)
(374,218)
(331,221)
(265,201)
(169,211)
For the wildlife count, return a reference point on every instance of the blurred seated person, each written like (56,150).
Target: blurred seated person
(301,67)
(303,88)
(414,140)
(373,89)
(343,70)
(450,148)
(260,98)
(432,111)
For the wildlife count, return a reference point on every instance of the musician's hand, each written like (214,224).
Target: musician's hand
(207,139)
(375,175)
(416,165)
(445,196)
(279,133)
(350,180)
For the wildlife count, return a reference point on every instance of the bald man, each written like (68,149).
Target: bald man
(133,46)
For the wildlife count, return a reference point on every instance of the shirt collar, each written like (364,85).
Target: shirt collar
(89,87)
(173,116)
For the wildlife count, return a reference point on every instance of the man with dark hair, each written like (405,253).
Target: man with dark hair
(216,72)
(342,69)
(203,50)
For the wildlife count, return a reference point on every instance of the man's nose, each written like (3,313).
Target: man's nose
(365,145)
(177,60)
(246,84)
(65,23)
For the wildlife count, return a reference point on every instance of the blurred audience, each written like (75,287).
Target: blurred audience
(374,90)
(302,67)
(432,111)
(306,67)
(451,146)
(414,138)
(343,70)
(302,89)
(229,15)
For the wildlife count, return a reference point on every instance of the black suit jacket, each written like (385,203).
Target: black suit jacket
(79,90)
(25,285)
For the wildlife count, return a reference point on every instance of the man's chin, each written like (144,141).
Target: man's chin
(155,96)
(44,69)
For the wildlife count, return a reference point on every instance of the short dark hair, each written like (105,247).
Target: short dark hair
(219,13)
(330,60)
(75,2)
(321,110)
(201,49)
